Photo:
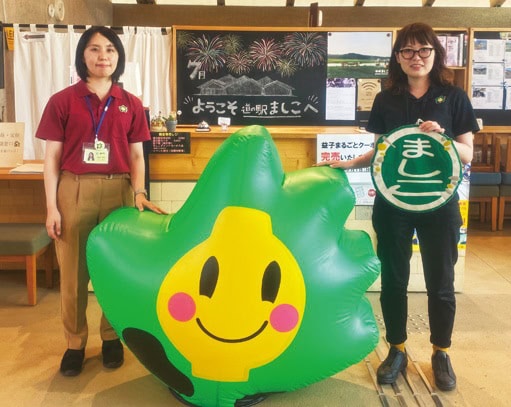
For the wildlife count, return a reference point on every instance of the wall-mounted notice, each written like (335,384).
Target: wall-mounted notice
(491,76)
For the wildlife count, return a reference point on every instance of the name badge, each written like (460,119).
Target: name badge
(96,153)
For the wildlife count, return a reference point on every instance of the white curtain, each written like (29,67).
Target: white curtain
(44,64)
(41,67)
(150,50)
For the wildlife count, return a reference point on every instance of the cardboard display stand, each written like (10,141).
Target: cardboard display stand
(11,144)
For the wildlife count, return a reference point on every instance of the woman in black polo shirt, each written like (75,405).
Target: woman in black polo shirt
(419,90)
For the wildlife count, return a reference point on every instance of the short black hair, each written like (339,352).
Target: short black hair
(108,33)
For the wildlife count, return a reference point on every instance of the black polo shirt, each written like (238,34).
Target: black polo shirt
(449,106)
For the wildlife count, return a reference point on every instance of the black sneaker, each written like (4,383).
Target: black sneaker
(445,379)
(395,362)
(113,353)
(72,362)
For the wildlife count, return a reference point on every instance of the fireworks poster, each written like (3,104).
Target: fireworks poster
(253,77)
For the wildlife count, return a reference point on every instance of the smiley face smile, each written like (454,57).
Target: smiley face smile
(217,338)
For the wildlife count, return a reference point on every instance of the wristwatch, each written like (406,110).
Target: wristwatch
(140,191)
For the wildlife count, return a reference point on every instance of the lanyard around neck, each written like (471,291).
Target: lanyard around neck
(103,113)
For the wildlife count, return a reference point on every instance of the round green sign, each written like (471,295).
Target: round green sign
(414,170)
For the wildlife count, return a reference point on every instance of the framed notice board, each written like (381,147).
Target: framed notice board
(278,76)
(491,76)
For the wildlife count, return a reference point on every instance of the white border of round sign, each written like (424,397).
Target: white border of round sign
(379,157)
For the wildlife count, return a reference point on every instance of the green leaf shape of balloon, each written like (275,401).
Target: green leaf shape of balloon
(254,286)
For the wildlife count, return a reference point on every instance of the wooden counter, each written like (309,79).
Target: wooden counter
(296,146)
(6,176)
(22,197)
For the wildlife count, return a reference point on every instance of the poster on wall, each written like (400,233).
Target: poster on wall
(487,97)
(488,74)
(355,58)
(252,77)
(346,147)
(488,50)
(367,91)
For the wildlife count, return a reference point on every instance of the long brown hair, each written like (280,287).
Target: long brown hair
(423,34)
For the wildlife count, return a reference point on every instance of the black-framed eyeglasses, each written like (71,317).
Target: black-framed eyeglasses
(409,53)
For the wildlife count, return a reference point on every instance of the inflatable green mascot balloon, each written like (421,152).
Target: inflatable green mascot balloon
(254,286)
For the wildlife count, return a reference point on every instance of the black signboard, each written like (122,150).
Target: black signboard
(251,76)
(170,143)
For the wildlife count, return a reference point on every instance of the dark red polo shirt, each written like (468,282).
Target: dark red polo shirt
(67,118)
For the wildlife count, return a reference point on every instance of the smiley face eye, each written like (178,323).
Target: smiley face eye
(209,277)
(271,282)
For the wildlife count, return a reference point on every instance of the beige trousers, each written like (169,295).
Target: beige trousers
(84,201)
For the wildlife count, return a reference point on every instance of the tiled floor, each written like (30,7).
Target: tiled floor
(31,345)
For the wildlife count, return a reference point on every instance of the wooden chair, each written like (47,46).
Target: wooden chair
(487,153)
(505,185)
(24,243)
(486,177)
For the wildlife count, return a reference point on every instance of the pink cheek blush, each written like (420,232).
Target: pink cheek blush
(284,318)
(181,307)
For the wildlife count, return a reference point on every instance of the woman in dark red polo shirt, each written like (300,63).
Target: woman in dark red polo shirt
(93,165)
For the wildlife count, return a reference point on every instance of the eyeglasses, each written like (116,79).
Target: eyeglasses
(409,53)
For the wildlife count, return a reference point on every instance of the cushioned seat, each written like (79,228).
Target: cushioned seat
(485,178)
(481,191)
(506,178)
(24,242)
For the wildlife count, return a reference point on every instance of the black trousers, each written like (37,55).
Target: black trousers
(438,233)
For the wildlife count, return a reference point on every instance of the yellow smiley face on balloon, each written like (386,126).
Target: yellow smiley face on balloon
(235,301)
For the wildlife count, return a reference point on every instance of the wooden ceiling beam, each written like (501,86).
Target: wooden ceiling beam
(291,3)
(313,14)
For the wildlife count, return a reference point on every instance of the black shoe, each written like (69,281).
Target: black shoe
(389,370)
(72,362)
(246,401)
(445,379)
(113,354)
(251,400)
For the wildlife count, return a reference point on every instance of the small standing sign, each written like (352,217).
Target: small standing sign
(346,147)
(11,144)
